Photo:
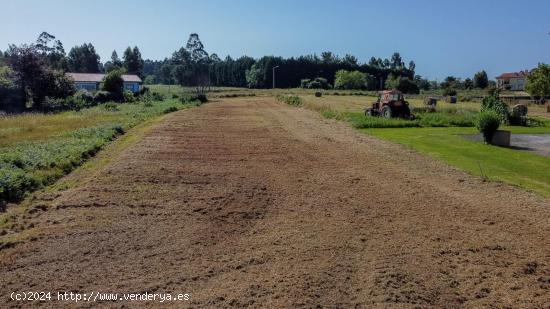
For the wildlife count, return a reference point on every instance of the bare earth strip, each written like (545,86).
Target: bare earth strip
(249,202)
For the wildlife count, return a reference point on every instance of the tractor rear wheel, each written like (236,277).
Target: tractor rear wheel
(386,112)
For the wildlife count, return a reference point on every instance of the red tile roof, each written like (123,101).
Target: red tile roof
(97,77)
(520,74)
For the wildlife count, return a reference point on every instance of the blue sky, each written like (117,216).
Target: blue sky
(442,37)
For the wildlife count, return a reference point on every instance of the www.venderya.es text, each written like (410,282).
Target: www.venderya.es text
(94,296)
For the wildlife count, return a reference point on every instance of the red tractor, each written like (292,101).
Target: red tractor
(390,104)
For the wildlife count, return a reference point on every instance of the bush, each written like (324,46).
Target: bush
(350,80)
(129,97)
(150,80)
(102,97)
(304,83)
(317,83)
(449,92)
(14,183)
(112,107)
(487,123)
(156,96)
(175,96)
(495,104)
(290,99)
(113,84)
(86,97)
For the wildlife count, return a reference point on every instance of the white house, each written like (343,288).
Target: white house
(512,81)
(91,81)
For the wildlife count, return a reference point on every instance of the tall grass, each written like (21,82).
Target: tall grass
(290,99)
(36,162)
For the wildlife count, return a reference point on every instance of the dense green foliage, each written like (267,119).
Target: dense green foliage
(257,73)
(113,83)
(481,80)
(25,166)
(133,63)
(83,59)
(487,123)
(495,104)
(31,80)
(290,99)
(403,84)
(350,80)
(317,83)
(538,82)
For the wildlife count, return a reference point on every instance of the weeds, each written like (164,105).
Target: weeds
(290,99)
(26,166)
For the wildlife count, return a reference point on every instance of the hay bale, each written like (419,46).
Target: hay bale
(451,99)
(430,102)
(519,110)
(318,94)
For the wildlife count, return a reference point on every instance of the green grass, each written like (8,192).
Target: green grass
(440,119)
(439,136)
(41,154)
(526,170)
(290,99)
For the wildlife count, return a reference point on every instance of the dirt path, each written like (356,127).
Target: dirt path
(248,202)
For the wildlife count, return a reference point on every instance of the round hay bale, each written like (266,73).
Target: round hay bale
(451,99)
(430,101)
(318,94)
(519,110)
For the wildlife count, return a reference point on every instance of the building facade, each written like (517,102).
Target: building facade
(92,81)
(514,81)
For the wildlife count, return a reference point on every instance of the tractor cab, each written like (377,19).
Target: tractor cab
(390,103)
(389,96)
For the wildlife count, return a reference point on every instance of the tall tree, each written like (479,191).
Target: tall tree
(412,66)
(52,50)
(115,59)
(350,60)
(481,80)
(114,64)
(196,49)
(83,59)
(328,57)
(35,79)
(538,82)
(133,63)
(396,61)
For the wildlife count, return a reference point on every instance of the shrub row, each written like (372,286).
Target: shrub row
(236,95)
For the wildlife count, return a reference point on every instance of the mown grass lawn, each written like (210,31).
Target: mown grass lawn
(526,170)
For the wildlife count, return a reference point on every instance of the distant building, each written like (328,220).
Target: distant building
(91,81)
(512,81)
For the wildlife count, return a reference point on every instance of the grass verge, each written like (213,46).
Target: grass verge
(32,164)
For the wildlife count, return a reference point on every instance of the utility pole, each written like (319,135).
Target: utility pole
(275,67)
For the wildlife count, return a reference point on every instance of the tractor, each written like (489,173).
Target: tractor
(390,104)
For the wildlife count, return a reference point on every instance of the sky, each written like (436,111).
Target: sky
(443,37)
